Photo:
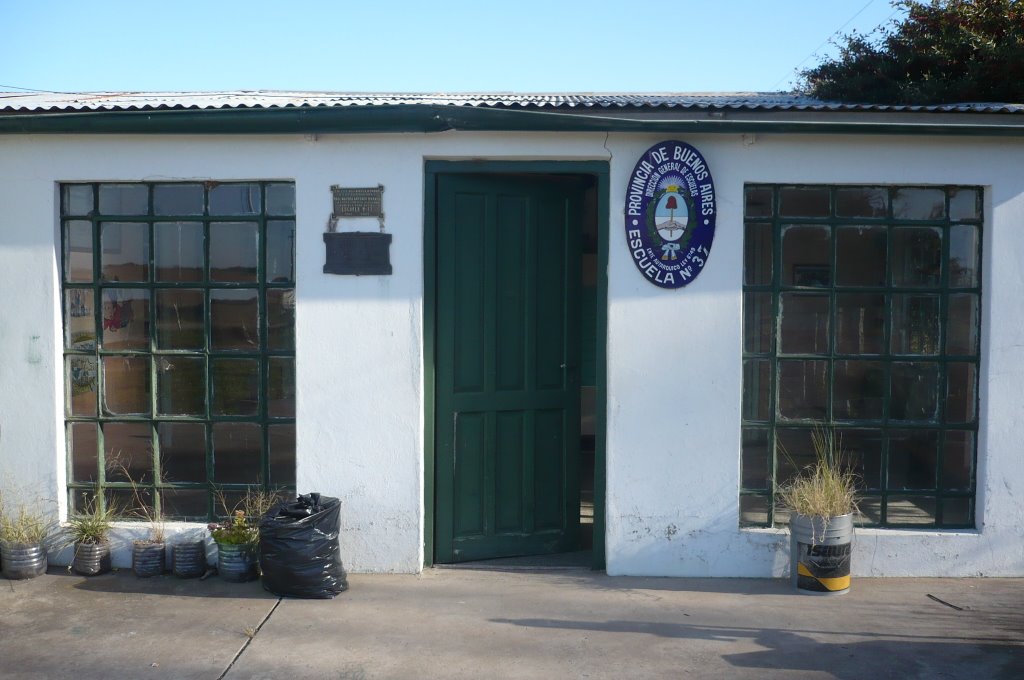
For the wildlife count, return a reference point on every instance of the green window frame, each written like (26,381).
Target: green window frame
(862,316)
(178,304)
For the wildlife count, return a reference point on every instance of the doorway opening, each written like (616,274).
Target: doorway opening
(515,306)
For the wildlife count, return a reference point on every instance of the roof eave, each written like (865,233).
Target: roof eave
(435,118)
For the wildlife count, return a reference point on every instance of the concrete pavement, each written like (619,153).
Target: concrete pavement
(466,623)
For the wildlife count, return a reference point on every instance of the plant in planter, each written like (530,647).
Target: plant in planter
(822,498)
(89,532)
(236,542)
(23,538)
(148,554)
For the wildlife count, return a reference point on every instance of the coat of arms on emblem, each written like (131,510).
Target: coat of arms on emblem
(670,214)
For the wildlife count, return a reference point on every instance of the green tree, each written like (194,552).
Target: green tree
(941,52)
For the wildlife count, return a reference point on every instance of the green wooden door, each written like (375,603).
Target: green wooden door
(507,367)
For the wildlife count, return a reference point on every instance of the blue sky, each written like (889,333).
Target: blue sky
(402,46)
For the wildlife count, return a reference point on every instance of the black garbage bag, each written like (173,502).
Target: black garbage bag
(299,553)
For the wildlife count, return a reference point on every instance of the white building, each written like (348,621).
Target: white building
(519,352)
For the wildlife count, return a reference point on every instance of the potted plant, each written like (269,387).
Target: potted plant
(822,501)
(188,558)
(89,532)
(236,541)
(23,543)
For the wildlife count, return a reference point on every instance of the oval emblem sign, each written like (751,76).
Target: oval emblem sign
(670,214)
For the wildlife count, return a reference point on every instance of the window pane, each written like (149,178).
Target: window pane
(757,385)
(235,199)
(804,328)
(124,252)
(179,319)
(911,510)
(919,204)
(183,452)
(755,458)
(963,256)
(861,256)
(962,331)
(281,199)
(128,503)
(964,204)
(235,390)
(126,385)
(81,385)
(758,320)
(957,512)
(802,389)
(79,319)
(860,323)
(281,388)
(281,319)
(859,390)
(282,454)
(803,202)
(184,503)
(236,453)
(862,202)
(77,199)
(78,251)
(83,439)
(916,256)
(958,460)
(234,320)
(758,202)
(280,251)
(795,453)
(179,251)
(181,386)
(128,451)
(125,318)
(178,199)
(234,248)
(753,511)
(124,199)
(758,254)
(806,256)
(912,459)
(915,324)
(961,395)
(914,391)
(870,510)
(863,449)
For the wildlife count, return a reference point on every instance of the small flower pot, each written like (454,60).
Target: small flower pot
(148,559)
(188,560)
(91,558)
(820,554)
(236,562)
(23,560)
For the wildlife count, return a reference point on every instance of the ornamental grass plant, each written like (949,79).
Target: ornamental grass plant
(92,525)
(827,487)
(26,527)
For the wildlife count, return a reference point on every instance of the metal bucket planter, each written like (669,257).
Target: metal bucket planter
(91,558)
(148,559)
(23,560)
(188,560)
(236,562)
(819,554)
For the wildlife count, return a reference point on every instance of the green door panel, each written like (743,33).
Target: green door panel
(507,366)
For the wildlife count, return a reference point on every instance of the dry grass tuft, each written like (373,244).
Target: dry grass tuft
(827,488)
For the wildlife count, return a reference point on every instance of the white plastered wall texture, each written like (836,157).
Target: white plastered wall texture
(673,388)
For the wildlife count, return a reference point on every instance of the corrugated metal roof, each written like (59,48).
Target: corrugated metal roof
(43,103)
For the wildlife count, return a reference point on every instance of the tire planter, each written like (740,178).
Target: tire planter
(91,558)
(23,560)
(148,559)
(236,562)
(820,554)
(188,560)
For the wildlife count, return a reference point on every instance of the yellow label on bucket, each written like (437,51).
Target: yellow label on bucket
(830,584)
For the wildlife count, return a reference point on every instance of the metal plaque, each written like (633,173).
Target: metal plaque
(358,201)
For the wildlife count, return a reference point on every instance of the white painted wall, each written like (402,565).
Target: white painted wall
(672,490)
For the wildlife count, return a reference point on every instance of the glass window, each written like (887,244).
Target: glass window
(861,312)
(179,327)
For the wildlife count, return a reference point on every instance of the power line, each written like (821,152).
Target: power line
(827,40)
(30,89)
